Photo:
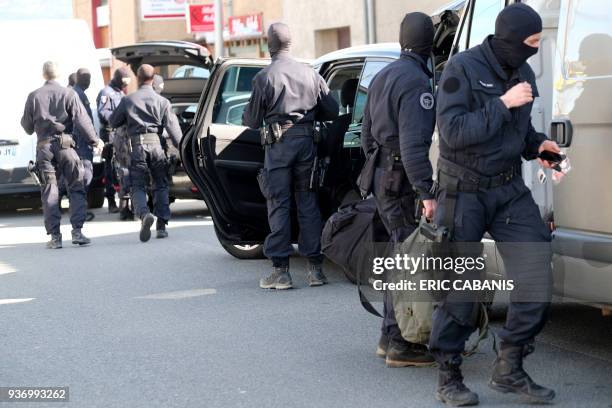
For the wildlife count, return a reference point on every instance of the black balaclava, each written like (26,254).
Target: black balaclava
(279,39)
(417,34)
(513,26)
(72,79)
(121,78)
(83,78)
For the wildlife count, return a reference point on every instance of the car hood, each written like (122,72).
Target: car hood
(158,53)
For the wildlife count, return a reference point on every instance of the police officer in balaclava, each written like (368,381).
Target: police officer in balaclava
(83,149)
(108,99)
(398,124)
(288,97)
(484,117)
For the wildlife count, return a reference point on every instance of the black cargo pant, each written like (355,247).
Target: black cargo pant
(396,209)
(109,172)
(287,169)
(87,177)
(510,215)
(52,159)
(149,159)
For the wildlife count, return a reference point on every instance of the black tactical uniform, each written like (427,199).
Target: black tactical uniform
(481,190)
(398,124)
(50,111)
(289,95)
(146,114)
(107,101)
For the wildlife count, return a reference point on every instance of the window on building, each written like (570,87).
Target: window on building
(332,39)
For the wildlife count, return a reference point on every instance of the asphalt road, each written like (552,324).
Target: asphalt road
(180,323)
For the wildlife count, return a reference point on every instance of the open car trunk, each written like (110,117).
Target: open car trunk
(186,68)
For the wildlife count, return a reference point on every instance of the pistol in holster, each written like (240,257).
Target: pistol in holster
(270,134)
(35,173)
(66,141)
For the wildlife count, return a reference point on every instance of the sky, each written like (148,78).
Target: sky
(35,9)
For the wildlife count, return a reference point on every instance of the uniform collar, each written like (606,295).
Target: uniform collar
(492,59)
(407,55)
(51,82)
(146,86)
(281,55)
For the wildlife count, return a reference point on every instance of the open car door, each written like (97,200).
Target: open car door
(222,157)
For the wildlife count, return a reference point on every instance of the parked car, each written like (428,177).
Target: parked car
(69,43)
(186,68)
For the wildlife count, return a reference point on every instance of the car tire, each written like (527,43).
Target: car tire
(242,251)
(95,197)
(245,251)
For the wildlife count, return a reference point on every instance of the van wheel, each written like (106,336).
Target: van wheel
(245,251)
(95,197)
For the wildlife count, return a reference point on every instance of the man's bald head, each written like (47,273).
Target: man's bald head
(145,74)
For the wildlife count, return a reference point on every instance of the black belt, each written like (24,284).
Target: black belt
(52,138)
(470,181)
(145,138)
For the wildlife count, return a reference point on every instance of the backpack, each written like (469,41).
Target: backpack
(349,237)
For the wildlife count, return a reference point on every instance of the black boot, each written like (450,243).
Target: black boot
(145,227)
(509,376)
(161,229)
(401,353)
(112,205)
(125,213)
(383,346)
(451,389)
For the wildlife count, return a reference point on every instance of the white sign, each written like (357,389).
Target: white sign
(162,9)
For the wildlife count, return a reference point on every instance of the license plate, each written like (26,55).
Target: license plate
(8,151)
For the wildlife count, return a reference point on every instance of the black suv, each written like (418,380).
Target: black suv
(222,157)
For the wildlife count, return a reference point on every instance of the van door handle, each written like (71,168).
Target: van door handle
(561,131)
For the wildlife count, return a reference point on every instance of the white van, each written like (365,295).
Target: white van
(26,45)
(574,77)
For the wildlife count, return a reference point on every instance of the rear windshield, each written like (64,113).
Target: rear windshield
(182,71)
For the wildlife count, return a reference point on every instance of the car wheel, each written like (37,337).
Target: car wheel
(245,251)
(95,197)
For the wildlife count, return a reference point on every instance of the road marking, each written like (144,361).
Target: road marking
(6,268)
(180,294)
(12,301)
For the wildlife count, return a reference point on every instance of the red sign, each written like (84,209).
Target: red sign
(246,26)
(201,18)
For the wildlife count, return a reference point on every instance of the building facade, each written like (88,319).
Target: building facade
(318,26)
(322,26)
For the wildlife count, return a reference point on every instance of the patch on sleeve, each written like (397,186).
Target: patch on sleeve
(451,85)
(427,100)
(103,99)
